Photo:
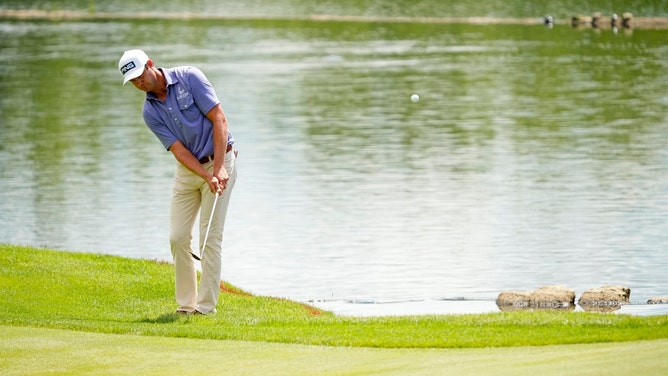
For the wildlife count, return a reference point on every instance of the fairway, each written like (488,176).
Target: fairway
(53,351)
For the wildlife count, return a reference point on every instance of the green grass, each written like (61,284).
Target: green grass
(65,313)
(108,294)
(61,352)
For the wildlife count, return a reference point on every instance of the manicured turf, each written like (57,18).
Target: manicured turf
(75,313)
(108,294)
(61,352)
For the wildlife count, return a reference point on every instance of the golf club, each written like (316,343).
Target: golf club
(208,227)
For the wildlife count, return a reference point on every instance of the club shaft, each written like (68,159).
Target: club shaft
(208,227)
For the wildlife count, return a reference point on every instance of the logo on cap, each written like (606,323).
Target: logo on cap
(127,67)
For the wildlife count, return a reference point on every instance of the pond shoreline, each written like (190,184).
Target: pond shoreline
(454,307)
(73,15)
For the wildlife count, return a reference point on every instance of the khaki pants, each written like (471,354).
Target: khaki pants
(191,195)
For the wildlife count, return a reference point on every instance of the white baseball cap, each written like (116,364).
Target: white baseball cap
(132,64)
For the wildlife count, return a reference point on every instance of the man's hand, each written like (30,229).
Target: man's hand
(217,184)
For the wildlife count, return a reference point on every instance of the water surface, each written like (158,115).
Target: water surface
(535,156)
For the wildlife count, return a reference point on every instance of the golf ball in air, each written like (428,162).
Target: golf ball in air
(415,97)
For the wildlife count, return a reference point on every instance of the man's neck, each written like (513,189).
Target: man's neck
(161,90)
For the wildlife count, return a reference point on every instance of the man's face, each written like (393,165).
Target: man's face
(146,81)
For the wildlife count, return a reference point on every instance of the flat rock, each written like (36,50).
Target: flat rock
(553,297)
(605,298)
(548,297)
(658,300)
(513,300)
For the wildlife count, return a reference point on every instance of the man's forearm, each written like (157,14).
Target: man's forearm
(189,161)
(219,122)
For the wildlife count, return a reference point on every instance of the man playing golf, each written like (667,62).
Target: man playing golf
(183,111)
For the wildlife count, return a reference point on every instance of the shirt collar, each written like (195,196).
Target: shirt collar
(170,79)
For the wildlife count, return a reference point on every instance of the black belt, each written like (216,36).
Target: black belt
(209,158)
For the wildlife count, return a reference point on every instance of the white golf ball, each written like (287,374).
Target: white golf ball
(415,97)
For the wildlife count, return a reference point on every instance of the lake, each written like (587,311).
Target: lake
(535,156)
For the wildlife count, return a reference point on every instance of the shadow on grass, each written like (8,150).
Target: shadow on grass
(167,318)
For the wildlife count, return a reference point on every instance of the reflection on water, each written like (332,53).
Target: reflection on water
(535,156)
(561,12)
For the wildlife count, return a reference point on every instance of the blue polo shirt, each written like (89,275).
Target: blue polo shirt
(182,116)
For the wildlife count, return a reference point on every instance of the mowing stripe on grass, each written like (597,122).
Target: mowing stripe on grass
(38,351)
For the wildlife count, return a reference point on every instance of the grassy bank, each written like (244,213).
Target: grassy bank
(83,314)
(74,15)
(107,294)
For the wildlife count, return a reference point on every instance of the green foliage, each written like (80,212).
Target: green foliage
(108,294)
(376,8)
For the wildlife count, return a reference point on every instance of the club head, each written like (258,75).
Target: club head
(195,256)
